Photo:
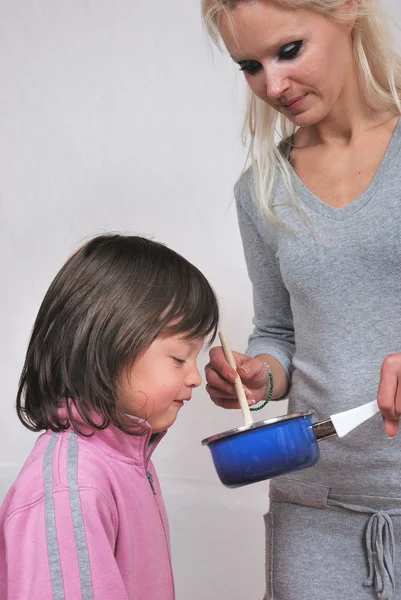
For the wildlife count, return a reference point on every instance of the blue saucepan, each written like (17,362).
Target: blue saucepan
(278,446)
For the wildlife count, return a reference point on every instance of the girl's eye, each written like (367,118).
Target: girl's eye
(250,66)
(179,361)
(290,51)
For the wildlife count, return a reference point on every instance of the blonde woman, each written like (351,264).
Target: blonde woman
(320,218)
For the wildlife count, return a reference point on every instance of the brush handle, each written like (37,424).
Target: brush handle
(239,388)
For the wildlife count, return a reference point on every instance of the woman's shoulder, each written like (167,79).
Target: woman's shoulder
(244,190)
(244,186)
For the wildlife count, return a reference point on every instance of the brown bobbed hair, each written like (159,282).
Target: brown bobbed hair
(105,307)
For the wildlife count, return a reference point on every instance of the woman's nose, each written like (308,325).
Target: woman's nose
(276,81)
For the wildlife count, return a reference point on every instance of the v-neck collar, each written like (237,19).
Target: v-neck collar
(306,196)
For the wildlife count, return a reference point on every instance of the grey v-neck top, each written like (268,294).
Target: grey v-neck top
(327,305)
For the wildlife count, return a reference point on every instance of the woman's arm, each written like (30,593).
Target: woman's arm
(272,340)
(273,333)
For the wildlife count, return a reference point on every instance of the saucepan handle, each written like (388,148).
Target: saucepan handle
(342,423)
(324,430)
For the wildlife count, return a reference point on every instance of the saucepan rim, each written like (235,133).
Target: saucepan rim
(257,425)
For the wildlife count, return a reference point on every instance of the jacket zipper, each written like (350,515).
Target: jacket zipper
(153,441)
(150,479)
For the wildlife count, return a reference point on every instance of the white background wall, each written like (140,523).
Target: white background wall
(115,115)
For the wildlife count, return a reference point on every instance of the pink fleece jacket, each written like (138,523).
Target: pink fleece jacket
(85,520)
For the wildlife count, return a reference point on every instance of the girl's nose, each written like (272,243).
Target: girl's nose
(194,378)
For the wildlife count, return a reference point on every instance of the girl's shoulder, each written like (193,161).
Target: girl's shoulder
(57,463)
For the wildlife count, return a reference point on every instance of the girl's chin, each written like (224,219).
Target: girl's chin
(163,424)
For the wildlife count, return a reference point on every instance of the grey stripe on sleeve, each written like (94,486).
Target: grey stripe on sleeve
(50,518)
(77,518)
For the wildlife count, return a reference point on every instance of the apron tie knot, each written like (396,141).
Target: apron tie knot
(379,539)
(379,542)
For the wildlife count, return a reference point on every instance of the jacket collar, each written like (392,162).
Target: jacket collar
(137,447)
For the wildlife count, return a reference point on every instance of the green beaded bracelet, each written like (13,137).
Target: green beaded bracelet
(269,395)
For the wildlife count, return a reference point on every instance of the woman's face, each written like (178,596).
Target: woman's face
(297,61)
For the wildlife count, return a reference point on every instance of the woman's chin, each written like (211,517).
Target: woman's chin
(305,119)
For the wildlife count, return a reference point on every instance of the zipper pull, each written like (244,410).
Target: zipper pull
(150,479)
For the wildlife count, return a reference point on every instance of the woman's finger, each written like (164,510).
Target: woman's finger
(215,380)
(391,427)
(398,398)
(253,371)
(389,393)
(388,387)
(215,392)
(225,403)
(219,363)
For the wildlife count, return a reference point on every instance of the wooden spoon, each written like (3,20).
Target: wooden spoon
(239,388)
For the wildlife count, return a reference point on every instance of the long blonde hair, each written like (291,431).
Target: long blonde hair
(378,64)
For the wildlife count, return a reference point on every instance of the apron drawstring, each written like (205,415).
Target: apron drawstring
(379,541)
(380,553)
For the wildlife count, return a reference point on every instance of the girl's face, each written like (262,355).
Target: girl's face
(161,380)
(297,61)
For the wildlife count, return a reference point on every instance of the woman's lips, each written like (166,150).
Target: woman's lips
(295,104)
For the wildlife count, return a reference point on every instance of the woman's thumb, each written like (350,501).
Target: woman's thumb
(247,371)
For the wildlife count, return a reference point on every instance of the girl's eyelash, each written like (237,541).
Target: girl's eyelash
(287,52)
(179,361)
(290,51)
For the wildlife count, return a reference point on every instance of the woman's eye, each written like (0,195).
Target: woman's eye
(290,51)
(250,66)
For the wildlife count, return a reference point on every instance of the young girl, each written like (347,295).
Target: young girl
(111,361)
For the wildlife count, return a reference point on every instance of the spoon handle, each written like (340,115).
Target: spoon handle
(238,383)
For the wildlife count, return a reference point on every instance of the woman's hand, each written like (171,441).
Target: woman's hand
(220,378)
(389,393)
